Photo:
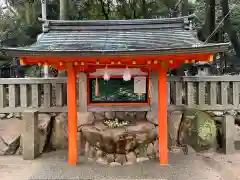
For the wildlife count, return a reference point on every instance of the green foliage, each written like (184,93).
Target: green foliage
(33,71)
(235,16)
(200,6)
(19,24)
(123,9)
(115,90)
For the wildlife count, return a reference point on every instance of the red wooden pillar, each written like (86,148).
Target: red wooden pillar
(72,118)
(162,115)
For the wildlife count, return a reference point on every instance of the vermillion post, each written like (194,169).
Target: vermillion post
(72,118)
(162,115)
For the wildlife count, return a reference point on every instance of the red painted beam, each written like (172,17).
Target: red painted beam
(151,63)
(117,59)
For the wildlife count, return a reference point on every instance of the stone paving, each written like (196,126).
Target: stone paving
(182,167)
(53,166)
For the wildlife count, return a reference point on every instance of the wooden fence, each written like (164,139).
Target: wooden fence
(49,95)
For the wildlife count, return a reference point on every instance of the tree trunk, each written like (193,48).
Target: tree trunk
(63,16)
(184,8)
(144,9)
(134,9)
(27,13)
(209,25)
(228,27)
(63,9)
(105,11)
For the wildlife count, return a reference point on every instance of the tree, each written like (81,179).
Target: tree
(209,25)
(184,7)
(63,10)
(106,8)
(232,34)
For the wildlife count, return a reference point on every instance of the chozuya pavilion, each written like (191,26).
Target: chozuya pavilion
(149,45)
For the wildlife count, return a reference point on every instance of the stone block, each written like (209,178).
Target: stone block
(174,120)
(59,136)
(10,133)
(131,157)
(43,130)
(81,143)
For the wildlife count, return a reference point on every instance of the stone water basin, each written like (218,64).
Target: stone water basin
(119,140)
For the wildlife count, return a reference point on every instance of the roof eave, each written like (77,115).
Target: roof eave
(211,49)
(114,22)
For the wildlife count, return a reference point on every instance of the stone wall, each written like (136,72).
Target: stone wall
(132,143)
(52,127)
(11,132)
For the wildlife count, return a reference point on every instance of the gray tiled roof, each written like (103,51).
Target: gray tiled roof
(116,40)
(117,36)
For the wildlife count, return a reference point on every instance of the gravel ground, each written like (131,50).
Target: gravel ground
(227,165)
(14,168)
(53,166)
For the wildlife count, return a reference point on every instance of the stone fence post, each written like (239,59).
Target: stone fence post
(30,135)
(229,133)
(82,107)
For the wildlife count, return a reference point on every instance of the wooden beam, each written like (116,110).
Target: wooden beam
(72,117)
(162,115)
